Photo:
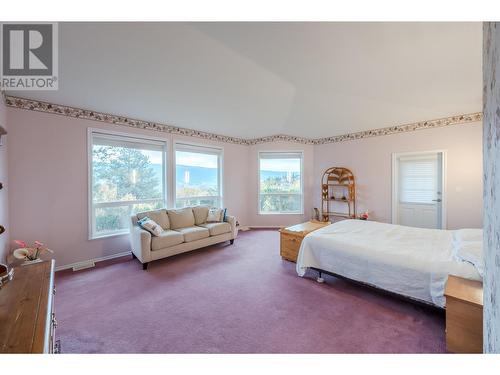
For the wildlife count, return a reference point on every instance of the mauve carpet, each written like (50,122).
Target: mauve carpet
(234,299)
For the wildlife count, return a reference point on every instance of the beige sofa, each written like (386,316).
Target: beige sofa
(184,230)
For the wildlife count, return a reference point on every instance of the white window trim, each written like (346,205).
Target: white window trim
(395,184)
(196,146)
(90,177)
(301,212)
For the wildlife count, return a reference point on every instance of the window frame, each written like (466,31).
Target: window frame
(301,211)
(92,235)
(195,147)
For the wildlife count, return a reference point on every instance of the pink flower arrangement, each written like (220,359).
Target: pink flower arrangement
(30,252)
(364,216)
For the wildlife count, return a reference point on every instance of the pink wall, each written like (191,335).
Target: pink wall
(370,160)
(4,212)
(48,176)
(268,220)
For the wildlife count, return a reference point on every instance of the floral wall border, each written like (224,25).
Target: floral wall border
(421,125)
(40,106)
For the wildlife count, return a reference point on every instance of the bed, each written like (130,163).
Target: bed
(408,261)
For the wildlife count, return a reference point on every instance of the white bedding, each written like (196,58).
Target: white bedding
(413,262)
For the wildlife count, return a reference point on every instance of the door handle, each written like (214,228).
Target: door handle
(436,200)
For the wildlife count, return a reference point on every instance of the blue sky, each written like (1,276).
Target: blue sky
(280,165)
(195,159)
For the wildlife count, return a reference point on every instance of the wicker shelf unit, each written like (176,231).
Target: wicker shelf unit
(338,186)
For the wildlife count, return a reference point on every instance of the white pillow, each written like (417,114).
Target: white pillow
(151,226)
(215,215)
(472,252)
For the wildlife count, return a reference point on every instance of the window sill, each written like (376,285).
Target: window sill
(109,235)
(281,213)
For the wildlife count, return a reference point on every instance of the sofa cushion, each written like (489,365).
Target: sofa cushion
(194,233)
(200,214)
(217,228)
(160,217)
(181,218)
(166,239)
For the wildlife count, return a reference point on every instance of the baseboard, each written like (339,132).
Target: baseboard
(266,226)
(88,263)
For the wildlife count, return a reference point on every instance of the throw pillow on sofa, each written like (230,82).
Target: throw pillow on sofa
(181,218)
(151,226)
(200,214)
(160,217)
(215,215)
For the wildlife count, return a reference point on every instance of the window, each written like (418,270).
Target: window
(127,175)
(280,183)
(197,176)
(418,176)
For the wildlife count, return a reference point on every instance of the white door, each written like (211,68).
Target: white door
(418,189)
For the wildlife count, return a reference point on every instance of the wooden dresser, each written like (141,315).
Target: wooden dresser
(27,320)
(464,315)
(291,238)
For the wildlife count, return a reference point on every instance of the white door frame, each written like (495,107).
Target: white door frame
(395,182)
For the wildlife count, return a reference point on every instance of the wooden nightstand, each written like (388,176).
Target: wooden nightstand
(464,315)
(291,238)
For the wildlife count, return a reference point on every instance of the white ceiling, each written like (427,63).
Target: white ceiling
(257,79)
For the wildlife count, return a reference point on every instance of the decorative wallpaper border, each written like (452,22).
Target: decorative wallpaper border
(39,106)
(429,124)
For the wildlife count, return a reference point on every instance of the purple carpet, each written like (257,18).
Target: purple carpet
(233,299)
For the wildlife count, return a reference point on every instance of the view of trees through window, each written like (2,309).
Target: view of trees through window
(128,176)
(125,180)
(197,179)
(280,183)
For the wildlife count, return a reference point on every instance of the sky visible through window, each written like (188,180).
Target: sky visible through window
(199,169)
(197,176)
(280,165)
(195,159)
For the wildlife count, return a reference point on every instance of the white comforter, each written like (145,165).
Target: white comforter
(409,261)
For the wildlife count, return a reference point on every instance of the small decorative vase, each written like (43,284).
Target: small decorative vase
(31,261)
(21,253)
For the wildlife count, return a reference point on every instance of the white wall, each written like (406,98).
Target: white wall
(370,161)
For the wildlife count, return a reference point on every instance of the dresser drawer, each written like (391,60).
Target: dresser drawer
(464,327)
(291,242)
(289,254)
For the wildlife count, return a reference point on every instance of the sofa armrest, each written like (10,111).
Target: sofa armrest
(140,241)
(232,221)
